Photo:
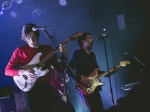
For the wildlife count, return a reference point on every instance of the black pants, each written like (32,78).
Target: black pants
(94,101)
(40,98)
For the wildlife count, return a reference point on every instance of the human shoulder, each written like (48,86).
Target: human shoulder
(22,47)
(19,49)
(92,52)
(77,52)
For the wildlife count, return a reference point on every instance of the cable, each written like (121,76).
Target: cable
(54,35)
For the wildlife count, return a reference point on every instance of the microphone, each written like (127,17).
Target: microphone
(103,37)
(126,53)
(40,28)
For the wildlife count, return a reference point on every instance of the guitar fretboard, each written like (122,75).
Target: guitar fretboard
(42,62)
(106,73)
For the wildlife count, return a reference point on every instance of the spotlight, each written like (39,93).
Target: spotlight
(104,29)
(1,12)
(63,2)
(18,1)
(13,14)
(36,12)
(6,5)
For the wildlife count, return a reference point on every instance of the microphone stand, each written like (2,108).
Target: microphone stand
(141,70)
(138,60)
(61,60)
(111,92)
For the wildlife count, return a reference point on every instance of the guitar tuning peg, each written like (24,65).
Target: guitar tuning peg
(80,33)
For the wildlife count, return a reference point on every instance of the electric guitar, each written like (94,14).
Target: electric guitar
(25,83)
(88,84)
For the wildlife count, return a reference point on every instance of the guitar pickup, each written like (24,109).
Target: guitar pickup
(25,77)
(26,85)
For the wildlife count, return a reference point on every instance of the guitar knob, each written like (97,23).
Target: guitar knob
(88,89)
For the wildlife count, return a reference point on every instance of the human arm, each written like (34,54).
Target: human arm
(111,72)
(73,65)
(13,66)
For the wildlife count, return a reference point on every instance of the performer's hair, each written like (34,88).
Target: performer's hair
(27,29)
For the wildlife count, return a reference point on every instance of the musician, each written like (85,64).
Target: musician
(84,61)
(40,97)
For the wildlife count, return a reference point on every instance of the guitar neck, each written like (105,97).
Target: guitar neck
(106,73)
(42,62)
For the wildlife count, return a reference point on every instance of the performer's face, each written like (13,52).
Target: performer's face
(88,42)
(32,40)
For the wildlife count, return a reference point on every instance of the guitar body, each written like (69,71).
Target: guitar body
(26,83)
(87,85)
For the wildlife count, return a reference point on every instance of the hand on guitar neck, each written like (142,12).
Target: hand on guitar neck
(110,72)
(115,69)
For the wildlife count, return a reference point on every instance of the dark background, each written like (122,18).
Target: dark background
(87,16)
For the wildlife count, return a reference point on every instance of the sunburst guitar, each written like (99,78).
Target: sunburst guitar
(88,84)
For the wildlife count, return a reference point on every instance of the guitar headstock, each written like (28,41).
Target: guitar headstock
(75,36)
(124,63)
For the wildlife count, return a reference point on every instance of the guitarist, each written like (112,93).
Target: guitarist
(84,61)
(40,97)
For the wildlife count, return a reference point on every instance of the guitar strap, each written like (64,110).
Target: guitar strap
(41,49)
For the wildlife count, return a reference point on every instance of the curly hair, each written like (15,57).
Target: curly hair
(27,29)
